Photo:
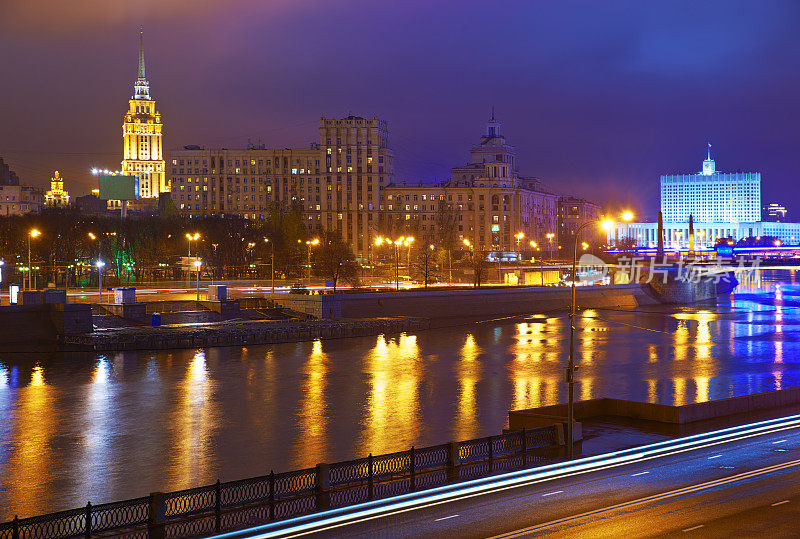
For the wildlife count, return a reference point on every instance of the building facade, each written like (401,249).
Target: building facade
(20,200)
(141,137)
(7,176)
(56,196)
(723,206)
(492,206)
(711,196)
(573,213)
(337,183)
(774,212)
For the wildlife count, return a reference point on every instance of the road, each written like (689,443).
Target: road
(734,482)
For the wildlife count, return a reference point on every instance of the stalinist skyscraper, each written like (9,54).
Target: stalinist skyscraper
(141,135)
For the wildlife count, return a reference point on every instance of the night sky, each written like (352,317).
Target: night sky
(598,97)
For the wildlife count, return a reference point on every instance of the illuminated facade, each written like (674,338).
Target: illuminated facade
(723,206)
(20,199)
(337,183)
(56,196)
(710,196)
(141,135)
(490,201)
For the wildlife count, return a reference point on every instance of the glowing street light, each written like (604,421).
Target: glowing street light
(606,224)
(402,241)
(99,265)
(32,234)
(197,264)
(191,238)
(310,243)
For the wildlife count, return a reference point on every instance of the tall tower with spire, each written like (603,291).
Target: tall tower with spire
(143,154)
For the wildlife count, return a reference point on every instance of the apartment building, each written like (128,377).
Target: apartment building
(337,183)
(493,207)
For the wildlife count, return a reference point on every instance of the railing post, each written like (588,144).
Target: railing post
(371,471)
(15,528)
(524,448)
(323,486)
(453,461)
(489,441)
(413,470)
(158,513)
(271,495)
(87,533)
(218,507)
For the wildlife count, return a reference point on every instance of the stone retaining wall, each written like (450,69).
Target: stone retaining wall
(238,334)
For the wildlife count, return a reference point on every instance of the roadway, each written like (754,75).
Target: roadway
(743,481)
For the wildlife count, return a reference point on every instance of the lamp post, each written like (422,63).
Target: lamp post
(401,241)
(32,234)
(519,236)
(197,264)
(310,243)
(190,238)
(570,373)
(99,264)
(550,236)
(272,263)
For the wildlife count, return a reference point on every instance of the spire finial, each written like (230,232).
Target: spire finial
(492,113)
(141,54)
(709,151)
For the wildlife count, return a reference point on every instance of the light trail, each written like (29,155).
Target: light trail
(337,518)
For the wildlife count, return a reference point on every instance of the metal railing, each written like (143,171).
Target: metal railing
(238,504)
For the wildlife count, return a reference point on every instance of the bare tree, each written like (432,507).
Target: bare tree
(334,260)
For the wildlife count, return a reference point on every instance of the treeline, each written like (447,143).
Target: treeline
(142,249)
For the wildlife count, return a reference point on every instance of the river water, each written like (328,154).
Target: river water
(102,427)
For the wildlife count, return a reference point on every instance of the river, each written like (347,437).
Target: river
(81,427)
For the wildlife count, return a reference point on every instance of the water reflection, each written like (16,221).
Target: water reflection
(31,444)
(194,422)
(391,412)
(312,443)
(468,373)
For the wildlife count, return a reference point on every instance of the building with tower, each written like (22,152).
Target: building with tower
(494,208)
(141,137)
(56,196)
(722,205)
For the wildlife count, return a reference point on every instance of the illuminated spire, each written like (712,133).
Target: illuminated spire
(709,167)
(141,54)
(141,90)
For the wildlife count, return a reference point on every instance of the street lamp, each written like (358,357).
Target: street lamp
(401,241)
(191,238)
(310,243)
(99,264)
(197,264)
(272,264)
(606,225)
(550,236)
(519,236)
(32,234)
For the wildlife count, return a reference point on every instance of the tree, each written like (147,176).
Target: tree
(479,267)
(334,260)
(424,266)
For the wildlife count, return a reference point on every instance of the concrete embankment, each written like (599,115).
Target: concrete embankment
(464,303)
(238,333)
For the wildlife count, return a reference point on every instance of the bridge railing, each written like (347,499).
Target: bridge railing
(231,505)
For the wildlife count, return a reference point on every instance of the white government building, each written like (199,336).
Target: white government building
(722,205)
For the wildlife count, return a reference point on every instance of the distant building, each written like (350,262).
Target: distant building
(723,206)
(91,204)
(7,176)
(711,196)
(773,212)
(572,214)
(491,202)
(56,196)
(141,136)
(337,183)
(20,200)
